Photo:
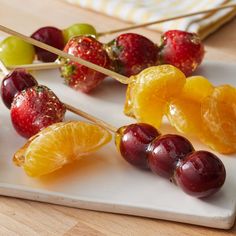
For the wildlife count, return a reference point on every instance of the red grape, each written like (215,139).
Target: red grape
(133,141)
(166,151)
(15,82)
(51,36)
(201,174)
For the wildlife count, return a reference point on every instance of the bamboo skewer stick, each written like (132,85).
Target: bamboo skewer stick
(37,66)
(167,19)
(91,118)
(73,109)
(120,78)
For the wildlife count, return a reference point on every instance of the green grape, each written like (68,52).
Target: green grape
(14,51)
(78,29)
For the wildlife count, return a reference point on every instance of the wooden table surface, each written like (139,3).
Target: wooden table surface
(22,217)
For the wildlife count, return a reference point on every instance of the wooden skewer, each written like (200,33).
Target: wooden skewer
(73,109)
(166,19)
(91,118)
(120,78)
(37,66)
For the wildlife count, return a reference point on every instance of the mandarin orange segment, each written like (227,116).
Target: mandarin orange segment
(214,143)
(59,144)
(219,114)
(186,118)
(149,91)
(197,88)
(184,112)
(185,115)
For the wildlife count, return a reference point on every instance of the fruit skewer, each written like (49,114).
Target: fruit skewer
(170,156)
(167,19)
(19,80)
(128,54)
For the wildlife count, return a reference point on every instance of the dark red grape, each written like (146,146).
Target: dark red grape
(15,82)
(166,151)
(51,36)
(133,141)
(201,174)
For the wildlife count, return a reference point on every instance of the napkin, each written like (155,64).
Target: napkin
(143,11)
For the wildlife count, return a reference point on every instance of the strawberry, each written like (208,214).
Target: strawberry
(35,108)
(181,49)
(78,76)
(132,53)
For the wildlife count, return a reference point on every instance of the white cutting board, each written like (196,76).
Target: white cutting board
(104,181)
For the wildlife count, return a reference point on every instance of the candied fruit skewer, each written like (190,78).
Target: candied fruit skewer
(130,53)
(19,80)
(136,26)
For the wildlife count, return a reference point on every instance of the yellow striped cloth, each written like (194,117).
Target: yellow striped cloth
(142,11)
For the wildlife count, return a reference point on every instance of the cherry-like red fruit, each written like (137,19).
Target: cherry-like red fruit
(15,82)
(51,36)
(166,151)
(132,141)
(201,174)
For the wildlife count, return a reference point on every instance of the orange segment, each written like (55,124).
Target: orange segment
(185,115)
(59,144)
(216,144)
(184,112)
(149,91)
(197,88)
(219,115)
